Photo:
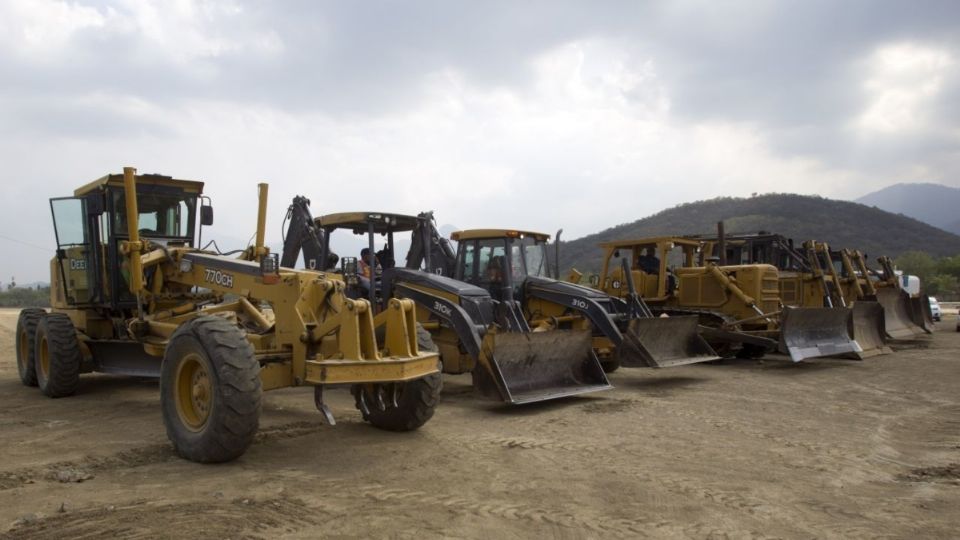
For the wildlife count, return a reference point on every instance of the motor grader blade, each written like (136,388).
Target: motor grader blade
(814,332)
(868,329)
(921,314)
(526,367)
(658,342)
(897,314)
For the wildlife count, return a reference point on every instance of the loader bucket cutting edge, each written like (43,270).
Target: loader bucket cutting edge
(897,319)
(658,342)
(539,366)
(868,329)
(922,315)
(814,332)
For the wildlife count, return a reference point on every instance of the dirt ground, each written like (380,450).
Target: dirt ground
(741,449)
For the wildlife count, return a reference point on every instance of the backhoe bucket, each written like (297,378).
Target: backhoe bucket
(897,314)
(922,315)
(814,332)
(536,366)
(658,342)
(868,329)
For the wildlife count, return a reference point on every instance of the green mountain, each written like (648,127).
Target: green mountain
(839,223)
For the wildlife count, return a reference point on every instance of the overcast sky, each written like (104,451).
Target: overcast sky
(526,114)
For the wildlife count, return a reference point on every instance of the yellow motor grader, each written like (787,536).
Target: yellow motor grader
(133,294)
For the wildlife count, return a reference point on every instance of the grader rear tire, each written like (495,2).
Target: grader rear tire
(57,356)
(26,344)
(210,391)
(416,401)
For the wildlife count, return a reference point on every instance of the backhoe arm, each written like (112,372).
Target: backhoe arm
(304,236)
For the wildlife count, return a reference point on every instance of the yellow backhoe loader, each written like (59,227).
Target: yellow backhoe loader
(513,266)
(133,294)
(473,332)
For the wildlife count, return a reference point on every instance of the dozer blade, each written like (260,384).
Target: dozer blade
(868,329)
(538,366)
(814,332)
(658,342)
(897,314)
(920,312)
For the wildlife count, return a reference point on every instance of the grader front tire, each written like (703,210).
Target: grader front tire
(210,391)
(416,401)
(57,356)
(26,344)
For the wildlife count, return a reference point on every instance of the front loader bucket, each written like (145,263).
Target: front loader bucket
(897,314)
(921,313)
(868,329)
(536,366)
(658,342)
(814,332)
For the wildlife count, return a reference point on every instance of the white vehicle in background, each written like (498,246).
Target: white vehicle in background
(910,283)
(935,309)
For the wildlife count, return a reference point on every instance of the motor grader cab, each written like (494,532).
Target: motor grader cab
(739,305)
(133,295)
(808,278)
(506,361)
(512,266)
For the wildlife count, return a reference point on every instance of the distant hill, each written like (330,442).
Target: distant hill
(840,223)
(935,204)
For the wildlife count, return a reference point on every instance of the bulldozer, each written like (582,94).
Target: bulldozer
(133,294)
(738,306)
(809,277)
(912,316)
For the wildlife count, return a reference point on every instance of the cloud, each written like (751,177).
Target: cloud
(535,115)
(905,80)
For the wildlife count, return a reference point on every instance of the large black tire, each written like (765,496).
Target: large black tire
(26,344)
(57,356)
(416,401)
(751,351)
(210,391)
(610,364)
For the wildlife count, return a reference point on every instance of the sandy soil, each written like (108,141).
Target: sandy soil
(825,449)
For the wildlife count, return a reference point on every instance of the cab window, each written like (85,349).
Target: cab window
(535,257)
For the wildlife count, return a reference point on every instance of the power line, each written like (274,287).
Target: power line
(28,244)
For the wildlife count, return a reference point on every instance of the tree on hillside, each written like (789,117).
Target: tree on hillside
(917,263)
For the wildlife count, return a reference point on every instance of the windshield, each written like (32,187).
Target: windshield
(159,214)
(535,256)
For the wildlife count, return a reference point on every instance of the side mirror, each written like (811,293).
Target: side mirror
(206,215)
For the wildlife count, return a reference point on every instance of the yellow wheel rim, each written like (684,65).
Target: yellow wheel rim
(193,392)
(43,358)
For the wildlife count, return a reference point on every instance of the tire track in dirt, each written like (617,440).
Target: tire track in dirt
(742,428)
(675,484)
(637,526)
(681,486)
(240,518)
(82,469)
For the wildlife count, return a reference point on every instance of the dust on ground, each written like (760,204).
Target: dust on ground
(740,449)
